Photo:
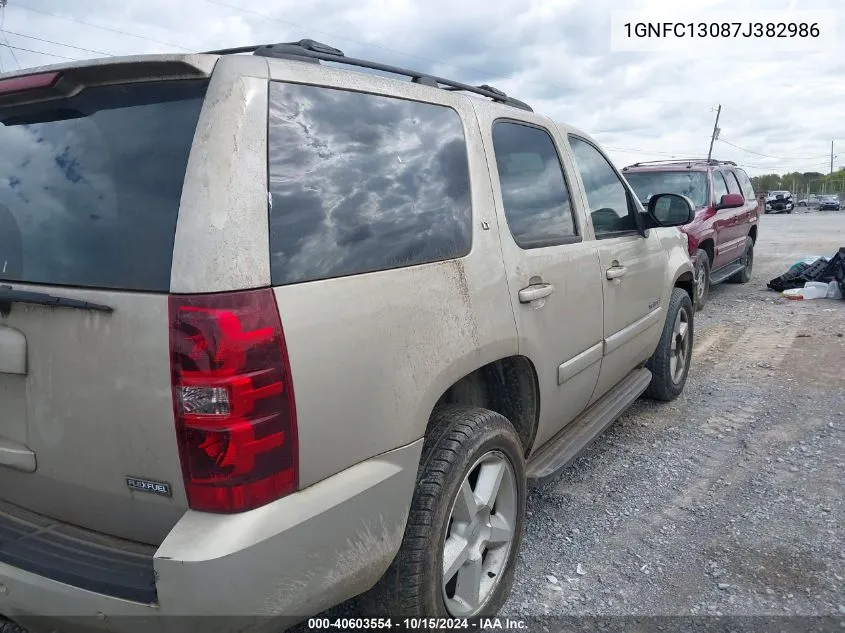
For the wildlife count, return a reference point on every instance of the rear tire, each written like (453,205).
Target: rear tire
(670,363)
(701,288)
(747,259)
(466,450)
(7,626)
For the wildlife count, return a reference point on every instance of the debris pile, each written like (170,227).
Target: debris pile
(813,278)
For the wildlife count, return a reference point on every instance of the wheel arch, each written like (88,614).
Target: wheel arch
(509,386)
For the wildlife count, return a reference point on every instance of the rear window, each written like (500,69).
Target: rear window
(692,184)
(90,185)
(362,182)
(745,183)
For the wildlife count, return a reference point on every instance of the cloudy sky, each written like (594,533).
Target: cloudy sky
(783,108)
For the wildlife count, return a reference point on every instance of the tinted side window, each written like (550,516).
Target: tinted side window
(745,183)
(733,184)
(610,209)
(719,187)
(361,182)
(534,191)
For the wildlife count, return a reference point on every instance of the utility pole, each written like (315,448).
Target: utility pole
(831,157)
(716,132)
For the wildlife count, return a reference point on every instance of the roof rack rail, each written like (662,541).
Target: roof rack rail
(689,162)
(315,52)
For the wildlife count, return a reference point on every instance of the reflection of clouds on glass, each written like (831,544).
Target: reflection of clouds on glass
(692,184)
(534,192)
(95,195)
(363,182)
(603,187)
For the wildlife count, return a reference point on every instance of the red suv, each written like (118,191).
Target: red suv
(722,236)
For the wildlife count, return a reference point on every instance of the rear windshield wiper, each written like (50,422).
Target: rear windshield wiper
(10,295)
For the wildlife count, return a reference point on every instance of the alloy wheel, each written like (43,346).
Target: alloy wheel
(477,547)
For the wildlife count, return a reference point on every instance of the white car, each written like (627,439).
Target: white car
(779,202)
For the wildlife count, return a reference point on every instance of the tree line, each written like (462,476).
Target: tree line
(802,183)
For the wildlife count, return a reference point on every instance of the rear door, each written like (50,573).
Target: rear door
(725,245)
(751,208)
(90,191)
(736,219)
(632,266)
(552,265)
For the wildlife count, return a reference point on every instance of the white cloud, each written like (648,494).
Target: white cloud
(554,54)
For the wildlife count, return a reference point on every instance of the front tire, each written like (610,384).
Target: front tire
(670,363)
(464,529)
(747,259)
(702,279)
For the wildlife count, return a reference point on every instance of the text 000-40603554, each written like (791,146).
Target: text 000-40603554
(735,32)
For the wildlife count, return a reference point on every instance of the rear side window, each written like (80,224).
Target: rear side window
(534,191)
(745,183)
(90,185)
(733,184)
(362,182)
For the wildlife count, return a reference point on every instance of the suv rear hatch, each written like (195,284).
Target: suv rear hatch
(91,178)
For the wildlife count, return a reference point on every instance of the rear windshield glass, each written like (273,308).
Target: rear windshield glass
(90,186)
(363,182)
(692,184)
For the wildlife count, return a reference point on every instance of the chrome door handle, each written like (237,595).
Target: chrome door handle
(616,272)
(534,292)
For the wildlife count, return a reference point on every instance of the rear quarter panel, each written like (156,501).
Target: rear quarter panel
(372,353)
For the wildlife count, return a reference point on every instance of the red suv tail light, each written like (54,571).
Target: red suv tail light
(233,400)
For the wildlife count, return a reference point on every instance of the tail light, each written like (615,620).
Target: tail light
(14,85)
(233,400)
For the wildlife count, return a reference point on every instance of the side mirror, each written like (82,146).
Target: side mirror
(731,201)
(671,209)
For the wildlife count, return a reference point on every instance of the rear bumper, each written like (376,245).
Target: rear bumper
(290,559)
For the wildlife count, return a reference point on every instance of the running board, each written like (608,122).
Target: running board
(724,273)
(566,446)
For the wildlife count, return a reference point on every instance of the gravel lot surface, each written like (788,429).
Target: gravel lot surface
(726,502)
(730,499)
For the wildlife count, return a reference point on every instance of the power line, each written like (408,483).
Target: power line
(767,156)
(11,50)
(646,153)
(103,28)
(474,71)
(350,39)
(2,22)
(29,50)
(793,165)
(79,48)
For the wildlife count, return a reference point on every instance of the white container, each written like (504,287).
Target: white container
(814,290)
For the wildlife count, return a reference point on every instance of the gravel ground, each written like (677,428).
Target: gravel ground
(728,501)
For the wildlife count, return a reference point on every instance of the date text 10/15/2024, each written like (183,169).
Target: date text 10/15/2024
(415,624)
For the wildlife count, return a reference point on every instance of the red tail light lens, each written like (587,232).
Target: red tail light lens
(233,400)
(28,82)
